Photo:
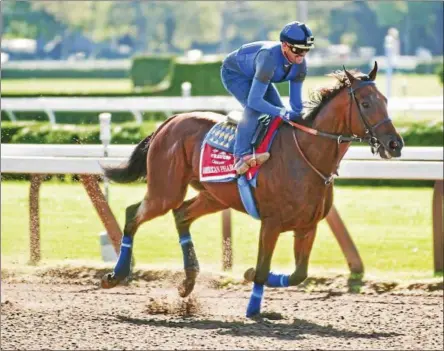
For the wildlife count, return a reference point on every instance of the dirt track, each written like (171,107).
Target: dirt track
(46,313)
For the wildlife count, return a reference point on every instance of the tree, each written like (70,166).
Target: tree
(175,26)
(22,20)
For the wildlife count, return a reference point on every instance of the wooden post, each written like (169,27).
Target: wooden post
(227,251)
(98,199)
(34,218)
(345,241)
(438,231)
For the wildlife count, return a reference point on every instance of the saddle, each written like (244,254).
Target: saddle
(217,159)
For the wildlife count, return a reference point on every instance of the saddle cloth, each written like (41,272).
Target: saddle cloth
(217,159)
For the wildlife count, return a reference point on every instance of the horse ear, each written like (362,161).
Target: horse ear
(350,76)
(372,74)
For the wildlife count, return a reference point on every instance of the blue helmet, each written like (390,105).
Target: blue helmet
(297,34)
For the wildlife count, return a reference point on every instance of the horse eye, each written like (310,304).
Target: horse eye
(365,105)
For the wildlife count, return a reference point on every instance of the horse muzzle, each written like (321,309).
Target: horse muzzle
(390,145)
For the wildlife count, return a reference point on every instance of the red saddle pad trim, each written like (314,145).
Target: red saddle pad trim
(265,144)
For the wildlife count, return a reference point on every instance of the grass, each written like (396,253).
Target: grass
(402,85)
(391,227)
(66,85)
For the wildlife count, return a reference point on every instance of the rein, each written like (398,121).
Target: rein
(370,134)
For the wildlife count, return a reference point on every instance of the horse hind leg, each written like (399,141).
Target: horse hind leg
(152,206)
(186,214)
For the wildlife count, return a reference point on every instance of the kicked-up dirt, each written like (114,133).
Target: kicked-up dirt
(64,309)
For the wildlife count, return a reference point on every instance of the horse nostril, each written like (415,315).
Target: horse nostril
(393,144)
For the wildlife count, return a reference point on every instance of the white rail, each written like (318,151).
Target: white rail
(137,105)
(416,162)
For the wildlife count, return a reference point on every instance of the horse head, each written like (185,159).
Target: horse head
(368,115)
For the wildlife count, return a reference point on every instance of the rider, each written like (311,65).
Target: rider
(248,74)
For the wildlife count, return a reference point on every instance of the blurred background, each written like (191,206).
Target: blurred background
(101,39)
(110,50)
(150,48)
(64,30)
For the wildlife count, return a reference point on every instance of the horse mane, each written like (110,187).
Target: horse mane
(320,97)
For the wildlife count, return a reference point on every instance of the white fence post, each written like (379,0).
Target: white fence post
(51,116)
(138,116)
(11,116)
(105,137)
(107,249)
(186,89)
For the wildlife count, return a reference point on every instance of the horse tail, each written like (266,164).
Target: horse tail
(136,166)
(133,169)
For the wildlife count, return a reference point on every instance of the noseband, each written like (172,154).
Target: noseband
(370,136)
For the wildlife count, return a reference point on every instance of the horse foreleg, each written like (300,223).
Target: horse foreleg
(187,213)
(267,242)
(302,248)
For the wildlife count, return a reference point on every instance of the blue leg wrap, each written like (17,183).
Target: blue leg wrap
(123,265)
(189,256)
(278,280)
(254,306)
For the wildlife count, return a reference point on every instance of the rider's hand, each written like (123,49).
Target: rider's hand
(291,115)
(295,117)
(285,114)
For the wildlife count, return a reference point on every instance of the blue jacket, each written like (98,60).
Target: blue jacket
(264,63)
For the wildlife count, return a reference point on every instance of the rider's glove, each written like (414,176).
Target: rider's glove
(290,115)
(285,114)
(295,117)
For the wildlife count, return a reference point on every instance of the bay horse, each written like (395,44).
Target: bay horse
(294,188)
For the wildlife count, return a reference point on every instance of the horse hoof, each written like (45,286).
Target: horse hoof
(249,274)
(109,281)
(254,315)
(186,287)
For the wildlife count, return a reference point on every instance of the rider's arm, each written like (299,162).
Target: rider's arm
(296,89)
(265,67)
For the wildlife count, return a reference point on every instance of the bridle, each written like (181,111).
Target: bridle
(369,130)
(370,136)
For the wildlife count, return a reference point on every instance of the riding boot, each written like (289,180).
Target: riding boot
(245,162)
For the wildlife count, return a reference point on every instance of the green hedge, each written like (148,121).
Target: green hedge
(10,129)
(204,78)
(130,133)
(416,134)
(420,134)
(45,133)
(80,117)
(151,70)
(440,73)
